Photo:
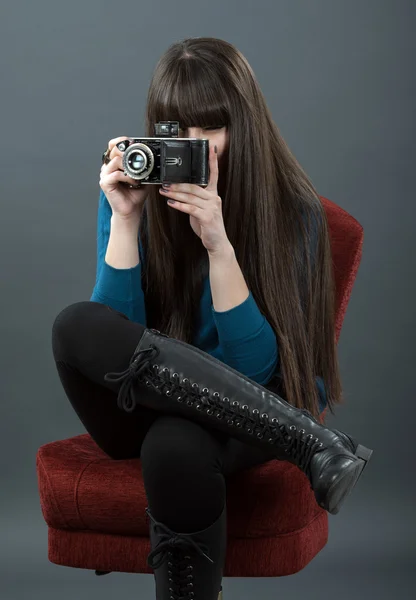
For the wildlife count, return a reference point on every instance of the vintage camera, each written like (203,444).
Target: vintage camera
(166,158)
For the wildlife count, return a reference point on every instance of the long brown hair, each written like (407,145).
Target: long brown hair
(283,248)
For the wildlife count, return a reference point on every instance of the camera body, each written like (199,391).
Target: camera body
(166,158)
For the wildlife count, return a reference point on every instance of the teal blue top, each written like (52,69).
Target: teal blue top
(240,337)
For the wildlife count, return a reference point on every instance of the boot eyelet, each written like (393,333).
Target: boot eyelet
(265,416)
(209,411)
(320,445)
(292,427)
(225,399)
(168,393)
(195,386)
(275,420)
(256,411)
(216,395)
(205,390)
(302,431)
(260,436)
(238,424)
(235,403)
(250,431)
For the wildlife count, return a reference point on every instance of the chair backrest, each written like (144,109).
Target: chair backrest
(347,236)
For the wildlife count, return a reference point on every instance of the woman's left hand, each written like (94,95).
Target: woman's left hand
(204,207)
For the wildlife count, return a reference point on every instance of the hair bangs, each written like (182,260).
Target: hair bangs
(192,95)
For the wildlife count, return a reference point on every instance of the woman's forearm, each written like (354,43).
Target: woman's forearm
(228,286)
(123,246)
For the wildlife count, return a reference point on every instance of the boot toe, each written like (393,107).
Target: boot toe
(336,481)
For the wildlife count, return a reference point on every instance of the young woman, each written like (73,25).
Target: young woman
(238,278)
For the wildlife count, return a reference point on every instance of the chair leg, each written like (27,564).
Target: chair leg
(102,572)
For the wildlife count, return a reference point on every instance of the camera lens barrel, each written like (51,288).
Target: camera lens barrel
(138,161)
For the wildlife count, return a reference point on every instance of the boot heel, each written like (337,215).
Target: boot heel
(364,453)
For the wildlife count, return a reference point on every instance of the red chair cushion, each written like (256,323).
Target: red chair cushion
(276,530)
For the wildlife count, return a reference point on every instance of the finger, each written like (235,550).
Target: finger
(114,151)
(190,188)
(189,209)
(114,171)
(184,198)
(118,177)
(116,140)
(116,163)
(213,170)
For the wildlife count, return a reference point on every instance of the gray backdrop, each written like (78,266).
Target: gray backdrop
(339,78)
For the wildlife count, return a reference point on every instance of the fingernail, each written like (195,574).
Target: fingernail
(215,149)
(166,185)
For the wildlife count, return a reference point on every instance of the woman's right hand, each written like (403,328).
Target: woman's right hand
(124,201)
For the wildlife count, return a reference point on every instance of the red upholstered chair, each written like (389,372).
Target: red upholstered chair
(95,506)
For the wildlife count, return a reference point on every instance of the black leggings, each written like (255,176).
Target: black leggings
(183,462)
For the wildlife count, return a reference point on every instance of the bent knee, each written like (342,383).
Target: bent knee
(71,315)
(72,319)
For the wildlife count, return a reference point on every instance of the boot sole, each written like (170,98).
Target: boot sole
(343,486)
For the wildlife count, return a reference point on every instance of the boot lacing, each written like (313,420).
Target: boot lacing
(180,568)
(138,363)
(289,438)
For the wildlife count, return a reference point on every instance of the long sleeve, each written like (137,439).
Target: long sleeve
(120,289)
(323,401)
(249,345)
(247,340)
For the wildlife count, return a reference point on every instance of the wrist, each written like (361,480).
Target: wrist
(126,220)
(225,253)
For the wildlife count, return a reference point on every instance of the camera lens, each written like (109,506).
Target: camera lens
(137,161)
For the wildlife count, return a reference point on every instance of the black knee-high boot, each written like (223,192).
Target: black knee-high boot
(174,377)
(188,565)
